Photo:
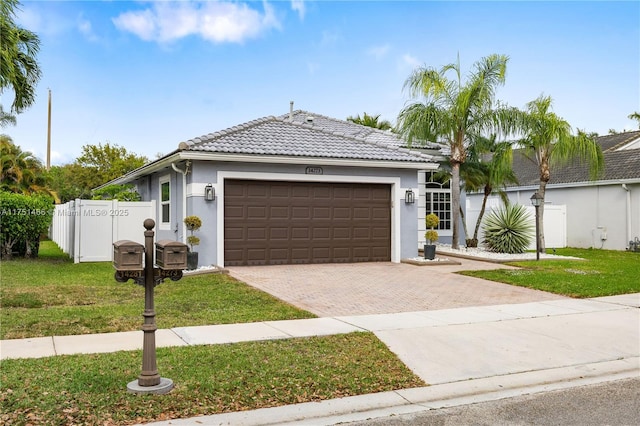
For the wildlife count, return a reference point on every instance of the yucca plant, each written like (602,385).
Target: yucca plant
(508,229)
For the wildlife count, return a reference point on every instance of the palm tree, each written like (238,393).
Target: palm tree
(455,113)
(18,66)
(20,171)
(548,142)
(370,121)
(487,169)
(635,116)
(6,118)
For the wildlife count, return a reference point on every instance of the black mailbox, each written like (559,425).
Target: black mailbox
(171,254)
(127,255)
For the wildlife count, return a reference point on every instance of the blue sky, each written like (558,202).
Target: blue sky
(147,75)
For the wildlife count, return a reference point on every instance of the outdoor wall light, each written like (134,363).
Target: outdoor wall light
(409,197)
(209,193)
(536,199)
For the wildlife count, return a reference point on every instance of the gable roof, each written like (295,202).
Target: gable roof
(320,138)
(619,164)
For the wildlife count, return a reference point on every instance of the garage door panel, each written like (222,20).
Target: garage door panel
(321,233)
(256,212)
(279,234)
(321,213)
(235,212)
(300,233)
(342,233)
(360,233)
(300,213)
(306,222)
(279,212)
(257,234)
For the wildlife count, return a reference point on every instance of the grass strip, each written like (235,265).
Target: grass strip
(599,273)
(52,296)
(91,389)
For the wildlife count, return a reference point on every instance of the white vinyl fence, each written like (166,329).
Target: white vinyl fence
(87,229)
(555,223)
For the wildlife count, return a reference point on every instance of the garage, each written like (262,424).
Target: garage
(281,222)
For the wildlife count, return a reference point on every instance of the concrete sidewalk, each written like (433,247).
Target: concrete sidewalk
(465,354)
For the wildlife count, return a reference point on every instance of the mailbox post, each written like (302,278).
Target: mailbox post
(171,256)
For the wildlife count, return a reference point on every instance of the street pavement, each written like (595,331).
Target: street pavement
(610,403)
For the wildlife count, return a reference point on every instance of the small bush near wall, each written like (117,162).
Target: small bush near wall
(23,218)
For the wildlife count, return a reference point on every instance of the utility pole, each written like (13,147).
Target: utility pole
(49,134)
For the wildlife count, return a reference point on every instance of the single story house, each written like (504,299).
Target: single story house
(295,188)
(603,213)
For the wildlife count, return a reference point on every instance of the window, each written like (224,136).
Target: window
(438,198)
(165,201)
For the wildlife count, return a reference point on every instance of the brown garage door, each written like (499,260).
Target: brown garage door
(268,223)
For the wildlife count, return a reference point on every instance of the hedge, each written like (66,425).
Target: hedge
(23,218)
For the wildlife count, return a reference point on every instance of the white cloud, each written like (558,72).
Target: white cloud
(216,21)
(298,6)
(85,28)
(379,52)
(412,61)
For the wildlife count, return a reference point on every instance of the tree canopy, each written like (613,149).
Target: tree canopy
(97,165)
(455,112)
(370,121)
(21,172)
(19,69)
(548,141)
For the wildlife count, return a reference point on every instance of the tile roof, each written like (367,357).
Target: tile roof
(618,164)
(323,137)
(613,142)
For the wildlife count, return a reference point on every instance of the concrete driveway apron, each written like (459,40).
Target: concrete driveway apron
(382,287)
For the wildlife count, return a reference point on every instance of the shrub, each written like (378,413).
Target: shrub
(431,236)
(431,220)
(193,223)
(22,219)
(508,229)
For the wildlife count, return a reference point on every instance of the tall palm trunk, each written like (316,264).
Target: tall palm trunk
(455,202)
(487,191)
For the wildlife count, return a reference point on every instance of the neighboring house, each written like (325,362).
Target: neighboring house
(298,188)
(604,213)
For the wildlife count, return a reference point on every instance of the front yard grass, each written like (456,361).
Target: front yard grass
(599,273)
(52,296)
(91,389)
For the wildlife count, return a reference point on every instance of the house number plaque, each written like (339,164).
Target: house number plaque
(313,170)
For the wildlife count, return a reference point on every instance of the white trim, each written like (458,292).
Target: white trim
(396,195)
(162,180)
(271,159)
(280,159)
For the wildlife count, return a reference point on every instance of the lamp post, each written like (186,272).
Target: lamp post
(536,201)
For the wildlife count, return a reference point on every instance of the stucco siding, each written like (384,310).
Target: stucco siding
(600,216)
(211,248)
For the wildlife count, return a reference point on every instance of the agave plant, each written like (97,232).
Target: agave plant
(508,229)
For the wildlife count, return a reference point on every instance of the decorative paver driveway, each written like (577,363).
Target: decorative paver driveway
(382,287)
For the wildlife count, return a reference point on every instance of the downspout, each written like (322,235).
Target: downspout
(184,195)
(626,188)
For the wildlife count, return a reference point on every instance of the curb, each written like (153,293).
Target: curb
(407,401)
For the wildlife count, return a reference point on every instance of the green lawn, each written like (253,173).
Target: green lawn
(52,296)
(91,389)
(599,273)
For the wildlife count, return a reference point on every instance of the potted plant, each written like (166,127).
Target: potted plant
(431,235)
(193,223)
